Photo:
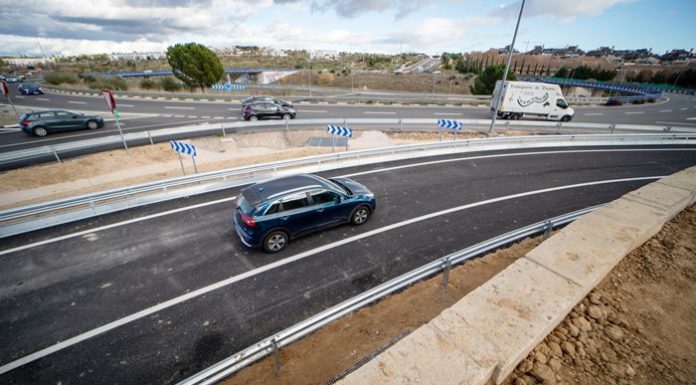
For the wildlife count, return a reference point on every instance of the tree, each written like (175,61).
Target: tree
(485,83)
(195,65)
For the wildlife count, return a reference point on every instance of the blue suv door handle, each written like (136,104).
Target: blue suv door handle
(320,210)
(284,218)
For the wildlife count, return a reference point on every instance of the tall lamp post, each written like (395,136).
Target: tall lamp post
(309,76)
(507,68)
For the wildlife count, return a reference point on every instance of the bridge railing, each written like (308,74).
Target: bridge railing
(32,217)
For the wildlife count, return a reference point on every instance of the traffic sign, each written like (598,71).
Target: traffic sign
(338,130)
(228,87)
(184,148)
(450,124)
(5,91)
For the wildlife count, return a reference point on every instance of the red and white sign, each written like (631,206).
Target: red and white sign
(109,97)
(3,85)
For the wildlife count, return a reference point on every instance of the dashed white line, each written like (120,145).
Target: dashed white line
(192,117)
(634,113)
(314,111)
(665,111)
(179,108)
(694,118)
(125,105)
(219,117)
(279,263)
(165,115)
(76,102)
(684,108)
(447,113)
(43,99)
(179,116)
(593,113)
(380,112)
(19,97)
(205,117)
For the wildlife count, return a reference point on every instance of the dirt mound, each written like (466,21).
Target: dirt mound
(636,327)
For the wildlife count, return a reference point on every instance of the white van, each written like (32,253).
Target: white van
(529,99)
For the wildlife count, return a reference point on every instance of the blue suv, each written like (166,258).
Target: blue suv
(269,214)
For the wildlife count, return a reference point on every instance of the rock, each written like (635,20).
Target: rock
(529,379)
(544,374)
(520,381)
(595,298)
(555,349)
(568,348)
(595,312)
(614,333)
(629,371)
(581,351)
(582,323)
(541,358)
(553,338)
(573,330)
(526,365)
(562,330)
(555,364)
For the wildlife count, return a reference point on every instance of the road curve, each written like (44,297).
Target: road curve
(86,291)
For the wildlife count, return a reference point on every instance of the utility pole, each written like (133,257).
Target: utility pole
(507,68)
(48,64)
(309,75)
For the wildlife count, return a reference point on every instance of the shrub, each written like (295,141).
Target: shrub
(170,85)
(87,78)
(57,78)
(638,101)
(148,84)
(325,78)
(114,84)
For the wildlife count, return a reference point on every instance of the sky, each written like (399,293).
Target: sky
(72,27)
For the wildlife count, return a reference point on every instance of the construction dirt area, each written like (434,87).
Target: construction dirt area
(636,327)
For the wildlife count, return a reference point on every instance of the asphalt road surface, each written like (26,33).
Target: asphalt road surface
(88,292)
(143,115)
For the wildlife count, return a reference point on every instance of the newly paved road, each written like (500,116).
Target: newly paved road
(64,282)
(143,114)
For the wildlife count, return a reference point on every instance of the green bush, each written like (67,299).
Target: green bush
(114,84)
(57,78)
(639,101)
(170,85)
(87,78)
(148,84)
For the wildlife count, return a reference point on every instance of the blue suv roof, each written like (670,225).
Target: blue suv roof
(265,190)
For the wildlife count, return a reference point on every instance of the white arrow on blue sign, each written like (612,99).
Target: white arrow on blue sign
(338,130)
(451,124)
(228,86)
(183,148)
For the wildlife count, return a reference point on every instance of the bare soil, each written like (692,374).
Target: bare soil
(636,327)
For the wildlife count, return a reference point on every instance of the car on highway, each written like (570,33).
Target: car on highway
(271,99)
(42,123)
(263,110)
(271,213)
(30,89)
(13,79)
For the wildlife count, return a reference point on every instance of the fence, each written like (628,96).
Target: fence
(38,216)
(272,344)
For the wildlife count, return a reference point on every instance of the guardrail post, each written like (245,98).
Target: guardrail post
(149,136)
(222,127)
(667,129)
(287,125)
(401,125)
(490,129)
(55,154)
(559,127)
(276,357)
(507,126)
(445,272)
(548,226)
(612,128)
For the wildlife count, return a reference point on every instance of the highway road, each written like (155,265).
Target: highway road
(85,295)
(143,114)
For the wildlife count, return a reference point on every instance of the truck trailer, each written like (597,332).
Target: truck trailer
(531,99)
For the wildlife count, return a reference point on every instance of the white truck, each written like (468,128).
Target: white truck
(541,100)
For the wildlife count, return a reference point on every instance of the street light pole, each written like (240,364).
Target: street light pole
(507,68)
(309,76)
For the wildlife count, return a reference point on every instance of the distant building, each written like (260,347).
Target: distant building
(677,55)
(137,55)
(323,54)
(27,61)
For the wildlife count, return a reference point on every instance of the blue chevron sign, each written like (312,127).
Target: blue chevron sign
(188,149)
(228,86)
(451,124)
(337,130)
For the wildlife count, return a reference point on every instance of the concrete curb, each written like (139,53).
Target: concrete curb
(483,337)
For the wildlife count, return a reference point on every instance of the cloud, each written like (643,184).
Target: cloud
(354,8)
(564,10)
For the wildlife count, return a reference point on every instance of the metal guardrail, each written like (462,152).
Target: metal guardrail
(284,338)
(165,134)
(32,217)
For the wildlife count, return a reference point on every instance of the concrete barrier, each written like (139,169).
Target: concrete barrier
(483,337)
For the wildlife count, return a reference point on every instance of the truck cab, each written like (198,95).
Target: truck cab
(561,111)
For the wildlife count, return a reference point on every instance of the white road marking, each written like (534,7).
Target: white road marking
(314,111)
(205,117)
(76,102)
(279,263)
(179,116)
(684,108)
(19,96)
(380,112)
(178,108)
(694,118)
(593,113)
(677,123)
(43,99)
(124,105)
(665,111)
(634,113)
(165,115)
(447,113)
(219,117)
(192,117)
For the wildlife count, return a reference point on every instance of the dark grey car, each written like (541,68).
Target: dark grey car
(41,123)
